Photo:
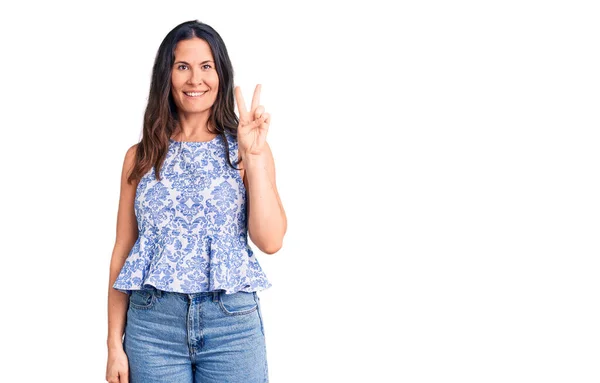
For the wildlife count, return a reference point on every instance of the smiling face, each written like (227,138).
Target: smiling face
(194,79)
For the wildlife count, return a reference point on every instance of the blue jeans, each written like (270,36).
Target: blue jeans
(207,337)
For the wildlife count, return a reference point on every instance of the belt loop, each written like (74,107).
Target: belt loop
(215,296)
(155,291)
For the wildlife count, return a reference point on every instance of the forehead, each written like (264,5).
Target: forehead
(194,49)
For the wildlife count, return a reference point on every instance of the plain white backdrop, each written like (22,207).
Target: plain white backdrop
(438,163)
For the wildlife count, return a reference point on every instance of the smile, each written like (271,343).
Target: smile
(194,94)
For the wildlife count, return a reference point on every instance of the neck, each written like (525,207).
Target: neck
(193,126)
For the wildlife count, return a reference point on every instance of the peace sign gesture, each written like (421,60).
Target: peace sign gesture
(254,124)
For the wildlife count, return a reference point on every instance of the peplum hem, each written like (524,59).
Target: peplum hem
(191,265)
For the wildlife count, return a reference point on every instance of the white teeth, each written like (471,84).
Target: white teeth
(194,94)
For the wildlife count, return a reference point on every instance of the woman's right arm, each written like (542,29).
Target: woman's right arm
(127,234)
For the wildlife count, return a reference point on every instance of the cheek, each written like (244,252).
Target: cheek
(214,80)
(174,91)
(214,85)
(176,82)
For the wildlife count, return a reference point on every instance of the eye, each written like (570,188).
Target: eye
(207,65)
(181,65)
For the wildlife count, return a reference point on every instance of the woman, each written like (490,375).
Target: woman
(182,301)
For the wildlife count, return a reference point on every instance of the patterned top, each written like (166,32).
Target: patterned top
(192,225)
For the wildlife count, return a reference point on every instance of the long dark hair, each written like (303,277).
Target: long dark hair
(161,117)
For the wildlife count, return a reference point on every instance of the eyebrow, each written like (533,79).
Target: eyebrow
(183,62)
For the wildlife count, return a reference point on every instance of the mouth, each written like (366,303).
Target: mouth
(194,94)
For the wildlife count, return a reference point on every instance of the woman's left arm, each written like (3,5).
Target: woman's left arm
(267,221)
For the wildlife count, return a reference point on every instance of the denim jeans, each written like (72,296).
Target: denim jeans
(207,337)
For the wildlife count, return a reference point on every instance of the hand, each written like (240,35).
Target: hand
(254,124)
(117,367)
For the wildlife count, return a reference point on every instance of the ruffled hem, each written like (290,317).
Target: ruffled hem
(221,262)
(230,290)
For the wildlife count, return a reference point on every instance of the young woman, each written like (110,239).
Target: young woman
(182,301)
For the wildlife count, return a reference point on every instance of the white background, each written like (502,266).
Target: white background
(438,163)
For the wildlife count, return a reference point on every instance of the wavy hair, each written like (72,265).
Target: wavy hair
(161,115)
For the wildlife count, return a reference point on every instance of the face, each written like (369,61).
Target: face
(194,72)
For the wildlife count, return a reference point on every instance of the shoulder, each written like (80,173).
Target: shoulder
(131,152)
(129,160)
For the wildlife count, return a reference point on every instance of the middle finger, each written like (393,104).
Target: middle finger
(255,98)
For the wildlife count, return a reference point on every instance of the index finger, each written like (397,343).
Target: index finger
(241,105)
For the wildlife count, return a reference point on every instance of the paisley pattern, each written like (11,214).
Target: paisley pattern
(192,225)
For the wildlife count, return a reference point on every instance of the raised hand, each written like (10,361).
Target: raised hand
(254,124)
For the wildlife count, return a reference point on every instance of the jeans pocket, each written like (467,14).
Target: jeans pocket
(142,299)
(239,303)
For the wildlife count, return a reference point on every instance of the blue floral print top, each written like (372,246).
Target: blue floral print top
(192,225)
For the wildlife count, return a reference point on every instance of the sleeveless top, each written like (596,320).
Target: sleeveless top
(192,225)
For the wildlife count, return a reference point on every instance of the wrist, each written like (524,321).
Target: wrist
(253,160)
(114,344)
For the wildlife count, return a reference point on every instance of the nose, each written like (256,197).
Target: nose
(195,76)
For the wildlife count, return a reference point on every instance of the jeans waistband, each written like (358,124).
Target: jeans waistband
(214,294)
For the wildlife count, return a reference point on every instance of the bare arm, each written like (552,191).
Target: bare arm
(267,221)
(127,234)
